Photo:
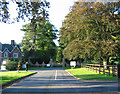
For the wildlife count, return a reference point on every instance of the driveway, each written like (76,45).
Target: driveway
(56,80)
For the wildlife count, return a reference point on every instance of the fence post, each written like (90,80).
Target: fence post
(88,67)
(99,69)
(113,71)
(109,71)
(93,67)
(96,68)
(103,70)
(118,70)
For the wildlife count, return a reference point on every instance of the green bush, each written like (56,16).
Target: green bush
(14,59)
(11,65)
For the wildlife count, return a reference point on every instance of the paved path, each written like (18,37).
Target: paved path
(56,80)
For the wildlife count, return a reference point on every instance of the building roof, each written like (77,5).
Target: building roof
(9,47)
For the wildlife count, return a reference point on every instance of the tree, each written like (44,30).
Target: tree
(88,31)
(31,10)
(59,54)
(103,25)
(43,48)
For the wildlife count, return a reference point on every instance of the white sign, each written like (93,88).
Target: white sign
(73,63)
(3,67)
(4,62)
(23,66)
(48,65)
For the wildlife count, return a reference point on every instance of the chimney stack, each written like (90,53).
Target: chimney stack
(13,42)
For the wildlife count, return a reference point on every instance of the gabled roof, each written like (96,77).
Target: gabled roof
(9,47)
(17,48)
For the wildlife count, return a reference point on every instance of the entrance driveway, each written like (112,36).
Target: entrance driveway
(56,80)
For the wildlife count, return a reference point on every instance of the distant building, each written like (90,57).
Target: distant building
(10,51)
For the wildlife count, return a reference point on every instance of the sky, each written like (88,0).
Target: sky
(57,12)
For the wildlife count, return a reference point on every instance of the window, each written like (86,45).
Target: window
(5,55)
(15,55)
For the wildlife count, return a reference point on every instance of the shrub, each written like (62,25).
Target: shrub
(11,65)
(14,59)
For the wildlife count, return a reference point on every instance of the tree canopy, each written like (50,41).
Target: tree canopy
(24,9)
(91,30)
(44,47)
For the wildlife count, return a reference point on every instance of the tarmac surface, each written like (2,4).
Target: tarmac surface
(57,80)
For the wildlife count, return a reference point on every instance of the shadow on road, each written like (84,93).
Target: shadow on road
(45,82)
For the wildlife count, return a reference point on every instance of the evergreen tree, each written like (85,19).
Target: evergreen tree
(44,47)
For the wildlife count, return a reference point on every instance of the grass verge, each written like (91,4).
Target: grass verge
(12,75)
(84,73)
(34,68)
(30,68)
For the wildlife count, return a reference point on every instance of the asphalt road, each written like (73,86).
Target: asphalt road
(56,80)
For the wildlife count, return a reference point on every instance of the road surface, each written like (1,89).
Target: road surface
(57,80)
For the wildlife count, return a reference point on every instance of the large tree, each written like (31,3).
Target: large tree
(89,31)
(44,47)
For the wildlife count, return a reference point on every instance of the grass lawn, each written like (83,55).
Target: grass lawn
(84,73)
(30,68)
(12,75)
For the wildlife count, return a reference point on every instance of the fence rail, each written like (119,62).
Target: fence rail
(105,69)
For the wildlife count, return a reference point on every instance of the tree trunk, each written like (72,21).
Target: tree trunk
(84,62)
(63,62)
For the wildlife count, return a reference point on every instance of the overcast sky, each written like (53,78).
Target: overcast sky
(57,12)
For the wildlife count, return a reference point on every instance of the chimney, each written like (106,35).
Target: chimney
(13,42)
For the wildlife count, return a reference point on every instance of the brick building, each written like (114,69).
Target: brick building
(10,51)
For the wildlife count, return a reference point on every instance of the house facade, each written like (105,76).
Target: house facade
(10,51)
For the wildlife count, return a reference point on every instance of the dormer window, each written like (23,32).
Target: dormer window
(5,55)
(15,55)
